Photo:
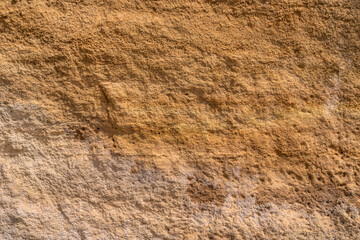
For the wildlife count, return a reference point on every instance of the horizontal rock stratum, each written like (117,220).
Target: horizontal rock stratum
(164,119)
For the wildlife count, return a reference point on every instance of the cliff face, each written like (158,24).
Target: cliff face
(164,119)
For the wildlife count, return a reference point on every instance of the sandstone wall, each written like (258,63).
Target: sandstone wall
(164,119)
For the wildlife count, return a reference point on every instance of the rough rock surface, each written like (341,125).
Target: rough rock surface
(174,119)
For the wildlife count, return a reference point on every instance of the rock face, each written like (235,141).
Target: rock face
(164,119)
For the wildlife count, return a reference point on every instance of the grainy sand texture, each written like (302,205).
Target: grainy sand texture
(174,119)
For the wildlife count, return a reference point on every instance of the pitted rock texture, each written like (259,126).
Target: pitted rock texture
(164,119)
